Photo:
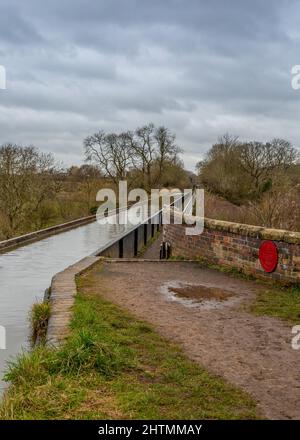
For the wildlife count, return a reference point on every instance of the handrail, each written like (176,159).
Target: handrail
(129,231)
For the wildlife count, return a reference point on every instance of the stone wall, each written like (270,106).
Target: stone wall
(237,246)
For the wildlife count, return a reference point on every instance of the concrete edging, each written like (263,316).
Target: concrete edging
(62,298)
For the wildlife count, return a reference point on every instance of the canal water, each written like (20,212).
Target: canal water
(27,271)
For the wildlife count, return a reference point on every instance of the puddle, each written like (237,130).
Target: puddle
(201,293)
(202,296)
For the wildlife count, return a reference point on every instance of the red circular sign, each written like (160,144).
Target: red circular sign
(268,256)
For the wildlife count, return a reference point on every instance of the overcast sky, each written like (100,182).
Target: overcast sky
(202,68)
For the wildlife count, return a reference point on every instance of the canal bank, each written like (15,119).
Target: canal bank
(23,240)
(25,273)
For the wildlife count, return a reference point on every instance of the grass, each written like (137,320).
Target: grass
(114,366)
(39,317)
(281,303)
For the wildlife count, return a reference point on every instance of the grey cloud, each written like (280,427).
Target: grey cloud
(199,67)
(14,29)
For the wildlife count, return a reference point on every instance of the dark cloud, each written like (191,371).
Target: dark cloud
(202,68)
(16,30)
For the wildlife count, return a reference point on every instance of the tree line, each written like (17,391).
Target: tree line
(36,192)
(251,182)
(147,157)
(262,178)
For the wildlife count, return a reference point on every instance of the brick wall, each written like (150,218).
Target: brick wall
(237,246)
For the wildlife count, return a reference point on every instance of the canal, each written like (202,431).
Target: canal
(27,271)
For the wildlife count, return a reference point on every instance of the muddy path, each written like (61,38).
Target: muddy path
(205,311)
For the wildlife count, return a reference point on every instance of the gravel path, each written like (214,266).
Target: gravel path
(252,352)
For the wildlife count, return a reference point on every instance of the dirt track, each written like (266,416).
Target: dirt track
(252,352)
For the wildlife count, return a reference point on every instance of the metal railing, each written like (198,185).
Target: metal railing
(133,240)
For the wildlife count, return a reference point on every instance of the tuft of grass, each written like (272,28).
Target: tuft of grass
(281,303)
(114,366)
(39,317)
(177,258)
(84,352)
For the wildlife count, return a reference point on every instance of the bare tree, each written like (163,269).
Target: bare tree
(221,170)
(111,152)
(260,160)
(142,155)
(245,171)
(167,150)
(144,152)
(26,180)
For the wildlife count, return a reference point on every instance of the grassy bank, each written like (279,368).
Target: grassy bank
(114,366)
(280,303)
